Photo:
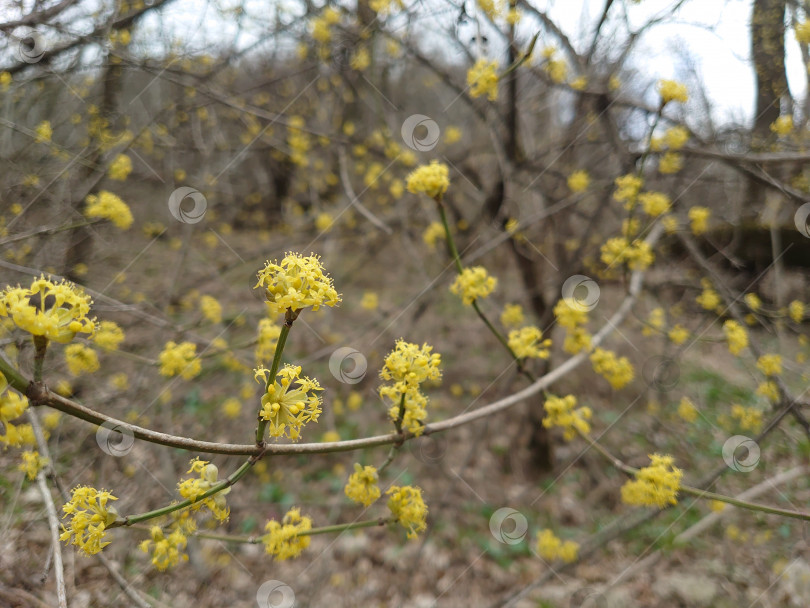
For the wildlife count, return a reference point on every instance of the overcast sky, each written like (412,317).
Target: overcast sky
(714,33)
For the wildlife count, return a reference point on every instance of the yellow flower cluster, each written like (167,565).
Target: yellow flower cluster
(770,364)
(32,463)
(768,389)
(637,255)
(408,508)
(89,517)
(796,311)
(108,335)
(736,336)
(482,78)
(12,406)
(749,418)
(656,485)
(579,181)
(167,551)
(687,410)
(267,338)
(671,90)
(109,206)
(56,311)
(527,342)
(627,189)
(192,489)
(295,283)
(676,137)
(290,401)
(549,547)
(654,203)
(512,315)
(573,318)
(120,168)
(179,359)
(699,219)
(321,26)
(709,299)
(211,309)
(362,486)
(472,284)
(562,412)
(44,132)
(431,180)
(433,233)
(407,367)
(285,540)
(618,371)
(783,125)
(678,334)
(80,359)
(752,301)
(670,162)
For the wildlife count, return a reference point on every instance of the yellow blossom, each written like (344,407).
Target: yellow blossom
(678,334)
(473,284)
(180,359)
(482,79)
(770,364)
(699,218)
(232,408)
(671,90)
(627,189)
(431,180)
(796,311)
(369,301)
(618,371)
(120,168)
(676,137)
(324,222)
(285,540)
(579,181)
(108,335)
(56,311)
(43,132)
(408,508)
(89,517)
(167,551)
(81,359)
(687,410)
(560,411)
(528,342)
(550,548)
(656,485)
(362,486)
(768,389)
(107,205)
(512,315)
(654,322)
(433,233)
(670,162)
(32,463)
(193,489)
(654,203)
(749,418)
(268,333)
(211,309)
(290,401)
(783,125)
(752,301)
(709,299)
(736,336)
(295,283)
(452,135)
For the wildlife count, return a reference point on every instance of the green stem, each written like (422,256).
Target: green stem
(227,483)
(451,243)
(289,317)
(40,346)
(15,379)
